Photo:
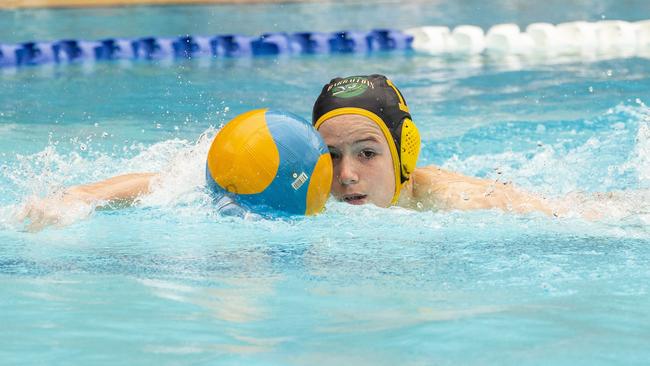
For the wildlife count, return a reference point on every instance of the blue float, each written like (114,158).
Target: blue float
(114,49)
(310,42)
(33,53)
(8,55)
(348,42)
(71,50)
(152,48)
(191,47)
(231,45)
(388,40)
(271,44)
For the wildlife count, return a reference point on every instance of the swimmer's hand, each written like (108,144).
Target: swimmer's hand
(79,202)
(57,210)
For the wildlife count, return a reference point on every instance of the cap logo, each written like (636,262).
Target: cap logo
(350,87)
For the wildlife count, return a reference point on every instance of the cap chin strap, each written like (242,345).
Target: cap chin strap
(384,129)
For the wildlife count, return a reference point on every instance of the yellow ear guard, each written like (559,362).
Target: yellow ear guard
(410,148)
(375,97)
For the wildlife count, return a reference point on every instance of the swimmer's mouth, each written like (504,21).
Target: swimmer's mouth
(355,199)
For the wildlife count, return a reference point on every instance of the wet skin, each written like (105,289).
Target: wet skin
(363,165)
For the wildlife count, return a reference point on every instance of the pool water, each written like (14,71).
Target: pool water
(172,282)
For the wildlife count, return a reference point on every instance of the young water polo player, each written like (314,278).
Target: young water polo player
(374,146)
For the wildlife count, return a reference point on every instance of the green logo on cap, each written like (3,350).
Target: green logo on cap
(350,87)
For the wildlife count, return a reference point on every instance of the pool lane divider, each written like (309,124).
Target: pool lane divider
(189,47)
(620,38)
(608,36)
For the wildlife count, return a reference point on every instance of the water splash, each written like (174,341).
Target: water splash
(179,163)
(575,160)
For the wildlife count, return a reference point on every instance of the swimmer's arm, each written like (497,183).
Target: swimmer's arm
(77,202)
(121,190)
(442,189)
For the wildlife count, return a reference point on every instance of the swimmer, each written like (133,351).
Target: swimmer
(374,146)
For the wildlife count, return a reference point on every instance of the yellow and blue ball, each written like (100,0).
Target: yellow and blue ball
(270,161)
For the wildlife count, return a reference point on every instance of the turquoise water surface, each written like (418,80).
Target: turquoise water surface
(172,282)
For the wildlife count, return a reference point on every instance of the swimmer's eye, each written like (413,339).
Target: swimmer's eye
(368,154)
(335,155)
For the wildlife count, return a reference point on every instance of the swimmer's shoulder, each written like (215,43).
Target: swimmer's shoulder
(437,188)
(428,188)
(435,179)
(432,173)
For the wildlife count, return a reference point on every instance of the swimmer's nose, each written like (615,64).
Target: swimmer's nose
(346,172)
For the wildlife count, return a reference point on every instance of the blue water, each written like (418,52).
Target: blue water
(130,22)
(171,282)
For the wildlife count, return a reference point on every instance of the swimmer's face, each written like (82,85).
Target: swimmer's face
(363,165)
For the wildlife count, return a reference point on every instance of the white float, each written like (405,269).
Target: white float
(431,39)
(643,36)
(616,35)
(468,39)
(589,40)
(544,36)
(576,36)
(507,38)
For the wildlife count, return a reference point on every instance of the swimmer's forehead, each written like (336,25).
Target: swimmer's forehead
(350,118)
(351,129)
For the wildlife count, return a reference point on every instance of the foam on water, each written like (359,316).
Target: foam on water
(568,158)
(180,164)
